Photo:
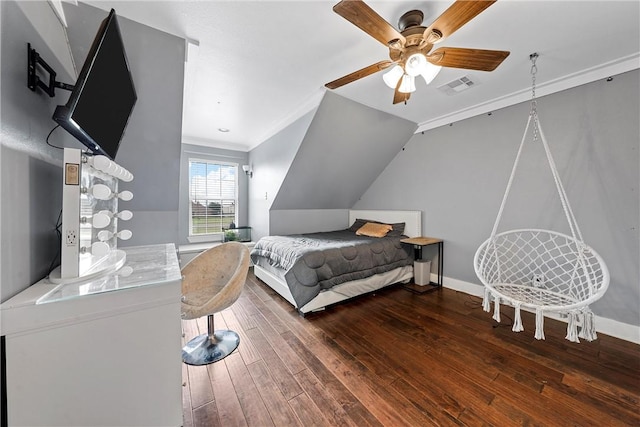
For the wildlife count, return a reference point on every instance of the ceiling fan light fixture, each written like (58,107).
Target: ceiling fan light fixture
(416,64)
(408,84)
(392,76)
(430,72)
(411,43)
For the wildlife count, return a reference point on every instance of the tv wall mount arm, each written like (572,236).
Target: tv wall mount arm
(34,81)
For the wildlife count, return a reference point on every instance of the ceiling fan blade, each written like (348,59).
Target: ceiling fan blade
(365,18)
(471,59)
(461,12)
(379,66)
(398,96)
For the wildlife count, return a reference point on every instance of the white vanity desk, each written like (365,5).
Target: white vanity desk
(100,352)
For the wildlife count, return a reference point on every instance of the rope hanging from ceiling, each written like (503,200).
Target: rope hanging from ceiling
(542,270)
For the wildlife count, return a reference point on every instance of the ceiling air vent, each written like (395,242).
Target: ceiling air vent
(457,85)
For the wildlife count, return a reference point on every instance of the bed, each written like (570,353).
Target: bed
(294,268)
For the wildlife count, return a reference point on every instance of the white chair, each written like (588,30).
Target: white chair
(211,282)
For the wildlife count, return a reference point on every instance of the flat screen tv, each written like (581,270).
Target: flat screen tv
(103,97)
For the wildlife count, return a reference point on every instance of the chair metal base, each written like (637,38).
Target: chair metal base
(202,351)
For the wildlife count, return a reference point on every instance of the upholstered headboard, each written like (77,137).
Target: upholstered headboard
(412,219)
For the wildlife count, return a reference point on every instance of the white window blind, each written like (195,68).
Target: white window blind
(213,194)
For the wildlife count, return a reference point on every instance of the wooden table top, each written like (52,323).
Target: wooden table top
(421,241)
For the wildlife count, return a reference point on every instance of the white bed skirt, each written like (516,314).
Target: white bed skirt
(338,293)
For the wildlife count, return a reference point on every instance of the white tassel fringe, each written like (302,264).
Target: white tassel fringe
(486,301)
(517,321)
(539,324)
(588,329)
(572,327)
(496,309)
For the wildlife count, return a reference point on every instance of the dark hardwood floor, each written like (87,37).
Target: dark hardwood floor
(395,358)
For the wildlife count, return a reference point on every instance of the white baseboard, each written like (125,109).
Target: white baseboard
(604,325)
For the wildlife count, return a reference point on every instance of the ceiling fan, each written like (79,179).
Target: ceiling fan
(410,48)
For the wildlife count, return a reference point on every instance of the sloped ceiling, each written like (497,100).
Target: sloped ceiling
(345,148)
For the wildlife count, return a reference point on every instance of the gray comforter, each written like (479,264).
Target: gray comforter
(317,261)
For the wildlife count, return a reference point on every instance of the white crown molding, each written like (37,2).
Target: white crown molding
(308,105)
(203,142)
(619,66)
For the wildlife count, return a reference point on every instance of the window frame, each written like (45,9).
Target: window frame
(215,236)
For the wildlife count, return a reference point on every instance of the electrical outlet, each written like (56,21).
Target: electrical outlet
(538,280)
(72,237)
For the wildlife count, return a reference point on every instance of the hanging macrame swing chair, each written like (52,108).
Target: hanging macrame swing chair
(542,270)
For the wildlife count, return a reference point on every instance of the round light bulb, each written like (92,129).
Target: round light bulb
(127,176)
(125,195)
(125,215)
(101,192)
(104,235)
(100,220)
(112,168)
(99,249)
(101,163)
(124,234)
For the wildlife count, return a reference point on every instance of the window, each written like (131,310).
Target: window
(213,195)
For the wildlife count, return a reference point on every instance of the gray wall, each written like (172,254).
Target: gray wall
(271,161)
(296,221)
(216,155)
(30,171)
(345,148)
(457,175)
(150,148)
(31,174)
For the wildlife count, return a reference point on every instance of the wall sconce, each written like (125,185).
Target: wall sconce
(248,170)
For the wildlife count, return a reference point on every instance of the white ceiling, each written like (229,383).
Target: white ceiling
(256,66)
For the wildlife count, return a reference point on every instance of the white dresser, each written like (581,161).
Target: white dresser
(98,352)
